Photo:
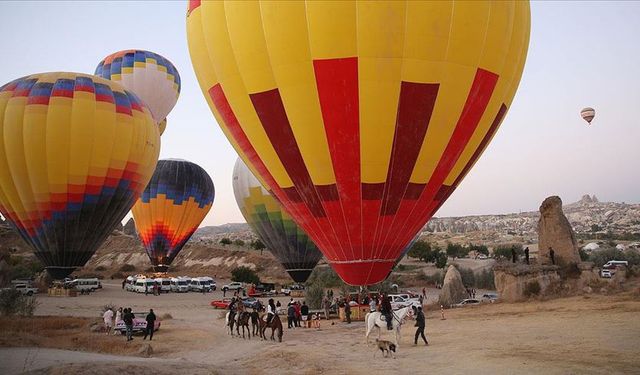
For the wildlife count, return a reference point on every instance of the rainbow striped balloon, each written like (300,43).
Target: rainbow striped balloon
(76,151)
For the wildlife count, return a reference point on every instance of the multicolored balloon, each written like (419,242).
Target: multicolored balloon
(588,114)
(76,151)
(178,197)
(152,77)
(361,117)
(286,241)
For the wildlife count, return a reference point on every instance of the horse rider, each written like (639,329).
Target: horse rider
(271,311)
(387,311)
(239,309)
(232,309)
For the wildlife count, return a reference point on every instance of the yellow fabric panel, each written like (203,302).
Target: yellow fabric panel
(379,74)
(81,139)
(58,133)
(35,128)
(244,26)
(465,43)
(332,29)
(10,198)
(284,29)
(223,62)
(498,37)
(428,24)
(452,94)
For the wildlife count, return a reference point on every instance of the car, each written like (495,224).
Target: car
(491,297)
(398,302)
(221,303)
(607,274)
(139,323)
(233,286)
(26,290)
(250,302)
(467,302)
(296,287)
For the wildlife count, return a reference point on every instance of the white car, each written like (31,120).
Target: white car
(233,286)
(398,302)
(467,302)
(26,290)
(607,274)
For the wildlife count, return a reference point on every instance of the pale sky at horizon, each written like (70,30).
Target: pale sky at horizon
(581,54)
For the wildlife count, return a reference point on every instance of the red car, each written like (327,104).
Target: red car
(221,303)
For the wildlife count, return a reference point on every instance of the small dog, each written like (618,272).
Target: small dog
(386,347)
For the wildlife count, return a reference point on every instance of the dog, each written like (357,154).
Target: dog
(386,347)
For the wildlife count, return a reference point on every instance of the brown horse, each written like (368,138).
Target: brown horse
(255,323)
(275,324)
(243,321)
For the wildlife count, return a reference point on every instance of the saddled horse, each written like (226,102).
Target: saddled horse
(255,323)
(243,321)
(377,320)
(275,325)
(229,322)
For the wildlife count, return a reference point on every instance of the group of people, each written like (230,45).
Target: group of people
(126,315)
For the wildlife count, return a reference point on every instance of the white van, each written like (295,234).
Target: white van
(85,284)
(197,285)
(210,282)
(144,285)
(130,284)
(180,284)
(164,284)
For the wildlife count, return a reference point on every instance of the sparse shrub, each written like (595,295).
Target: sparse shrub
(401,267)
(504,251)
(313,296)
(468,277)
(245,274)
(238,242)
(485,279)
(325,277)
(583,255)
(127,268)
(166,316)
(532,288)
(100,268)
(118,275)
(12,302)
(436,278)
(225,241)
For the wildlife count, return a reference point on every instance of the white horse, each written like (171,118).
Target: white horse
(376,319)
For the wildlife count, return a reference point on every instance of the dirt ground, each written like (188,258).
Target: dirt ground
(587,335)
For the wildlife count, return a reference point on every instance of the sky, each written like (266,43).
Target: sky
(580,54)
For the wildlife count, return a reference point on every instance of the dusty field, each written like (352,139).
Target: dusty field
(585,335)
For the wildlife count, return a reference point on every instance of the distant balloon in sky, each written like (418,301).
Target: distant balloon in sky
(361,117)
(178,197)
(152,77)
(588,114)
(286,241)
(76,151)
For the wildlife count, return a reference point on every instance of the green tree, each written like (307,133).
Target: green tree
(238,242)
(225,241)
(258,245)
(504,251)
(456,250)
(245,275)
(420,250)
(440,258)
(479,249)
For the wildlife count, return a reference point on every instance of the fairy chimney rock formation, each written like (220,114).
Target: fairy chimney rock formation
(554,231)
(453,290)
(130,228)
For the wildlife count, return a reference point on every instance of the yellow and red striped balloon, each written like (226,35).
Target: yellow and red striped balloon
(361,117)
(76,151)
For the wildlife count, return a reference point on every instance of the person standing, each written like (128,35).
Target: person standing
(420,323)
(347,311)
(128,322)
(146,288)
(298,308)
(326,304)
(151,321)
(123,283)
(424,293)
(552,255)
(108,320)
(291,316)
(304,312)
(513,254)
(526,254)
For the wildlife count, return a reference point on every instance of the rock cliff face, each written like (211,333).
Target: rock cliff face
(130,228)
(515,283)
(554,231)
(452,288)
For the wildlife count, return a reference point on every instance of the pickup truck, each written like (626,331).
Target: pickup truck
(25,289)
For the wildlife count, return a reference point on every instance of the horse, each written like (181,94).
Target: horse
(255,324)
(243,321)
(375,319)
(275,324)
(229,323)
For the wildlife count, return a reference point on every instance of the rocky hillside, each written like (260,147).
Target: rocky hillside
(586,215)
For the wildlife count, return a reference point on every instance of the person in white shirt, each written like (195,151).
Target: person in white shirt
(108,320)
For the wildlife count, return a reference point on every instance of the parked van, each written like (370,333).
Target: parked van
(210,282)
(144,285)
(85,284)
(130,284)
(615,264)
(164,284)
(197,285)
(180,284)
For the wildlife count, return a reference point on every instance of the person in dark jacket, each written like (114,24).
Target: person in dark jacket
(304,312)
(526,254)
(347,311)
(151,321)
(387,311)
(420,323)
(128,322)
(552,255)
(291,316)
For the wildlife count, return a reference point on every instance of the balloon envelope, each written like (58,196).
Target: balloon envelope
(588,114)
(178,197)
(152,77)
(360,117)
(286,241)
(76,151)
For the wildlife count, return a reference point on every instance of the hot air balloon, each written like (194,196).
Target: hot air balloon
(162,126)
(286,241)
(588,114)
(76,151)
(361,117)
(171,208)
(152,77)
